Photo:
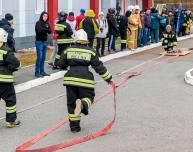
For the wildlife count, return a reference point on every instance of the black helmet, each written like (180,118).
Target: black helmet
(63,16)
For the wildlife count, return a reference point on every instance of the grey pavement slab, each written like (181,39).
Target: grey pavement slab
(154,111)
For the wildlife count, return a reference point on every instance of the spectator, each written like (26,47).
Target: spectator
(163,21)
(7,24)
(171,21)
(90,26)
(71,20)
(184,22)
(147,24)
(155,20)
(112,31)
(140,42)
(101,37)
(42,30)
(80,18)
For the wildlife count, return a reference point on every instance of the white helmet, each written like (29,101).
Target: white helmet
(130,8)
(81,36)
(3,35)
(137,7)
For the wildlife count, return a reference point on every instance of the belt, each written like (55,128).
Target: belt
(79,68)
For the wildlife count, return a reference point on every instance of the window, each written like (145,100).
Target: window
(40,6)
(1,7)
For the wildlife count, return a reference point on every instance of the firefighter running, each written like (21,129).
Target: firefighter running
(79,81)
(64,35)
(169,40)
(8,64)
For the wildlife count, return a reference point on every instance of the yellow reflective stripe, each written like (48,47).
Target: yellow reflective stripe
(6,76)
(79,80)
(162,39)
(74,117)
(64,41)
(1,57)
(78,84)
(57,56)
(174,43)
(106,76)
(123,41)
(165,35)
(60,27)
(96,29)
(88,101)
(11,109)
(80,50)
(79,55)
(164,46)
(3,52)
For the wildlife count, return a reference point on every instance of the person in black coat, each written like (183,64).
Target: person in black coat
(123,26)
(90,26)
(113,30)
(42,30)
(7,24)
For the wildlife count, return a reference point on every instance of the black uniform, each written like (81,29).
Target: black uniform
(91,27)
(79,81)
(64,39)
(123,26)
(169,40)
(8,64)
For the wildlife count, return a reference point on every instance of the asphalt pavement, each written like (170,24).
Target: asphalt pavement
(154,110)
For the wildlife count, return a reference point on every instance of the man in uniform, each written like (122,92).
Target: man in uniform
(8,64)
(79,81)
(64,33)
(169,40)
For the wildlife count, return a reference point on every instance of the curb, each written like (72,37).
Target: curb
(40,81)
(188,78)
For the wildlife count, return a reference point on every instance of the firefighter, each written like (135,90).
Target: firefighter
(8,64)
(169,40)
(134,22)
(123,27)
(64,36)
(79,81)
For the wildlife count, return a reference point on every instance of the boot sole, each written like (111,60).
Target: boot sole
(78,108)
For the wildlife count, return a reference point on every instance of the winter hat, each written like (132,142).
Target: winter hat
(101,13)
(82,10)
(8,17)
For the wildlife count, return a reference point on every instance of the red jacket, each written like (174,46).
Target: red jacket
(78,20)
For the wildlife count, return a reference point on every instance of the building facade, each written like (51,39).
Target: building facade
(27,12)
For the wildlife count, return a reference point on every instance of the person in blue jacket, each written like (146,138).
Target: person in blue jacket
(155,21)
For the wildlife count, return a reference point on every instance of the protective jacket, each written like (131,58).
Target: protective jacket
(78,58)
(8,64)
(169,40)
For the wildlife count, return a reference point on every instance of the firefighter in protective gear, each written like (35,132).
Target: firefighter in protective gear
(8,64)
(134,22)
(169,40)
(123,28)
(64,33)
(79,81)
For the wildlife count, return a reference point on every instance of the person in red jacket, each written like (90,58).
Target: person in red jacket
(80,18)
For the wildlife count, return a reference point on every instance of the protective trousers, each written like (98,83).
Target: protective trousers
(86,95)
(123,35)
(132,39)
(7,93)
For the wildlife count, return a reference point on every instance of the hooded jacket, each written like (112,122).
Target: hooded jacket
(42,29)
(10,40)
